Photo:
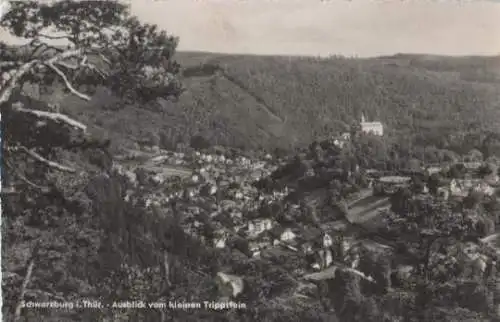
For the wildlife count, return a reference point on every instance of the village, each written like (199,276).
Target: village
(221,204)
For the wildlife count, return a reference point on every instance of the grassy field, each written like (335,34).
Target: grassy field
(272,101)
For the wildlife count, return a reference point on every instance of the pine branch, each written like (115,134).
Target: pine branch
(26,180)
(41,159)
(68,83)
(14,81)
(57,117)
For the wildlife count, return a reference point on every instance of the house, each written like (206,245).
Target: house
(258,226)
(229,285)
(471,166)
(323,256)
(346,136)
(492,179)
(375,128)
(492,240)
(485,188)
(287,235)
(220,239)
(476,260)
(350,249)
(331,273)
(280,235)
(432,170)
(307,248)
(341,140)
(394,179)
(317,245)
(443,193)
(354,259)
(324,259)
(390,184)
(220,242)
(461,188)
(327,240)
(262,241)
(208,190)
(257,246)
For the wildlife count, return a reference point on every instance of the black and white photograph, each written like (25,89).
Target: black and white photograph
(250,160)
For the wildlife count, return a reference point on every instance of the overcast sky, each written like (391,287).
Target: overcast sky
(315,27)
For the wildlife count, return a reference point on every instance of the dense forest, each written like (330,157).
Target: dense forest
(286,102)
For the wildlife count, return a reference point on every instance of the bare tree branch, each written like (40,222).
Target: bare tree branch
(57,117)
(41,159)
(24,179)
(14,81)
(35,48)
(67,83)
(166,267)
(54,296)
(41,45)
(83,64)
(27,278)
(67,65)
(52,37)
(96,70)
(104,59)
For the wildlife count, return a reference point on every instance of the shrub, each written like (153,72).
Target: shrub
(198,142)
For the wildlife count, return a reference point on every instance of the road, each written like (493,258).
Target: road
(171,171)
(152,162)
(362,211)
(363,194)
(366,207)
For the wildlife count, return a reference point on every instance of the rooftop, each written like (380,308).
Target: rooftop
(394,179)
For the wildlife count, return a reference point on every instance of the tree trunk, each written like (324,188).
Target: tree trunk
(27,278)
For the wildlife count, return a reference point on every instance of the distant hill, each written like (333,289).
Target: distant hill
(276,101)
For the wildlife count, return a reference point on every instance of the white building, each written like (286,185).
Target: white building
(327,241)
(324,259)
(229,284)
(342,140)
(220,241)
(346,136)
(257,227)
(375,128)
(287,235)
(463,187)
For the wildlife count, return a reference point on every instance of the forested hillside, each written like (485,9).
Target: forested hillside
(266,101)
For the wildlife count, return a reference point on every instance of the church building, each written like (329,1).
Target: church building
(375,128)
